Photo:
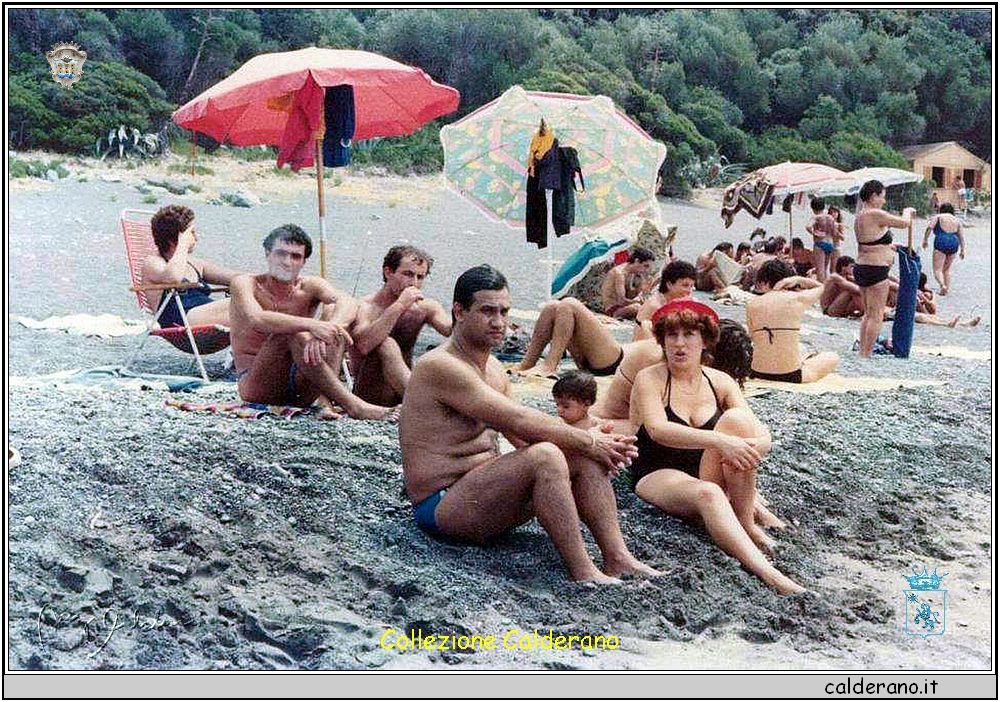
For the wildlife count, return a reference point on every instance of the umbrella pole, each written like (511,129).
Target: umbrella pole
(789,223)
(194,153)
(322,207)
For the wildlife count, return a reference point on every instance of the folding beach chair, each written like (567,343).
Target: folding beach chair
(198,340)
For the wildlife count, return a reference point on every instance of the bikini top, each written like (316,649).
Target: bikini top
(770,331)
(673,417)
(884,240)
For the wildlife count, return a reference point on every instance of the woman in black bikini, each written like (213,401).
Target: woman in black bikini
(876,253)
(175,238)
(699,443)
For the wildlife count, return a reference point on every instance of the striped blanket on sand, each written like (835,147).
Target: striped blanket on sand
(242,410)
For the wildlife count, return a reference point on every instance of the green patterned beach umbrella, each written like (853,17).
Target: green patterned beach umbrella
(486,154)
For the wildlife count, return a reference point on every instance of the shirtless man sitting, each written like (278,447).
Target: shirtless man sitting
(463,489)
(619,296)
(773,320)
(283,354)
(709,279)
(677,280)
(388,324)
(841,296)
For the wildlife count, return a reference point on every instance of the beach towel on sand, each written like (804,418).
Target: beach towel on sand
(952,352)
(835,383)
(101,325)
(241,410)
(112,377)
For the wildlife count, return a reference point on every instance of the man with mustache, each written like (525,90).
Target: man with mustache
(284,354)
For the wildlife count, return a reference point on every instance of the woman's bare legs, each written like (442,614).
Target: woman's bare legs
(568,324)
(946,271)
(938,265)
(873,298)
(680,495)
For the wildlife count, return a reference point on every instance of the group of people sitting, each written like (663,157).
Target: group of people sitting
(673,414)
(290,333)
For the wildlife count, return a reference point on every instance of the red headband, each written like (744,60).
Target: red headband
(685,303)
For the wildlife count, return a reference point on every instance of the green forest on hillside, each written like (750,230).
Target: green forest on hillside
(750,87)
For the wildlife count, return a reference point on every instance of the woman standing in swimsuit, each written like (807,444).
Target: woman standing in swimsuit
(949,239)
(699,443)
(838,235)
(875,257)
(175,238)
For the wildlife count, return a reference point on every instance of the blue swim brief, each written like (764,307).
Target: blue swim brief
(423,514)
(824,245)
(292,393)
(946,243)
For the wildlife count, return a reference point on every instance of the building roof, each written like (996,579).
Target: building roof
(921,150)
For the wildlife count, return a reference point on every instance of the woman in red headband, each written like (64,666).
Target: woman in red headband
(699,443)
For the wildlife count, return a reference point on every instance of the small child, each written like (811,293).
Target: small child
(574,393)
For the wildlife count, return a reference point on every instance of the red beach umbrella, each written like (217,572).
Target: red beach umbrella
(278,99)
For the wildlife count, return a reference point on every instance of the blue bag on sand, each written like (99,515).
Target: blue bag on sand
(906,302)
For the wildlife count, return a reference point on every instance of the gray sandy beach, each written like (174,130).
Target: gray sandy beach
(224,543)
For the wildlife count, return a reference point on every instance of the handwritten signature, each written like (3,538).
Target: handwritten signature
(100,629)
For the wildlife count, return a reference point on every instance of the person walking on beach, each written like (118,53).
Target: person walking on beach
(699,443)
(175,237)
(949,239)
(462,489)
(283,354)
(875,257)
(388,324)
(619,294)
(774,320)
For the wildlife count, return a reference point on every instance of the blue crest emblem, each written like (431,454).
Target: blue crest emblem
(925,604)
(66,62)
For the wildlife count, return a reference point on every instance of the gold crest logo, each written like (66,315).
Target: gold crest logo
(66,61)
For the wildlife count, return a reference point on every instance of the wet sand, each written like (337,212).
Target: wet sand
(259,544)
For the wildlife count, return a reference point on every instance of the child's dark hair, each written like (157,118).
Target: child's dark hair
(640,254)
(947,207)
(817,204)
(576,385)
(674,271)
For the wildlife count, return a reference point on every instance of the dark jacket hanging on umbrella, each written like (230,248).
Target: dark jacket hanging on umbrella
(564,199)
(547,176)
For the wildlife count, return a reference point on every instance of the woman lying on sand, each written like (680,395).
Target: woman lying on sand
(699,443)
(176,238)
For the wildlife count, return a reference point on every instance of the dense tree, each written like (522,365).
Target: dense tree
(758,85)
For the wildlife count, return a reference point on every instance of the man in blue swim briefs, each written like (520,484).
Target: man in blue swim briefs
(457,403)
(283,353)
